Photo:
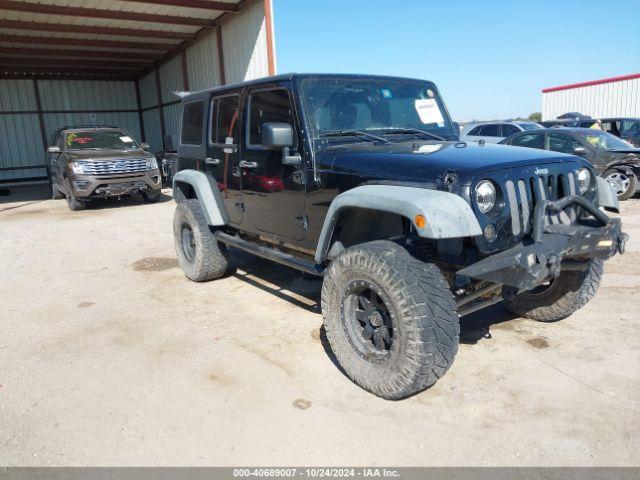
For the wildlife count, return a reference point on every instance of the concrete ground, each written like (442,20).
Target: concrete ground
(109,356)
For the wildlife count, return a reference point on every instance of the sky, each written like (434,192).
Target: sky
(489,59)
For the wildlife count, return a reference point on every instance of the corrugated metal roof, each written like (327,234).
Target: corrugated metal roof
(162,27)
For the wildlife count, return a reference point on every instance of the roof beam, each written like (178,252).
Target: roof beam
(12,71)
(35,62)
(87,42)
(50,9)
(55,53)
(204,4)
(69,28)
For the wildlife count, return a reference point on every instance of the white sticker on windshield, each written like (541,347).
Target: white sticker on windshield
(126,139)
(428,111)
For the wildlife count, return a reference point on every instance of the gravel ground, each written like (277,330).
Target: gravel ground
(109,356)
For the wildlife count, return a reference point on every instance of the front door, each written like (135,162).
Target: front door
(222,152)
(273,193)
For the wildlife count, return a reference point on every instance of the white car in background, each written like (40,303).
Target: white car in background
(494,132)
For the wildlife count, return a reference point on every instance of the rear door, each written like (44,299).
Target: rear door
(221,161)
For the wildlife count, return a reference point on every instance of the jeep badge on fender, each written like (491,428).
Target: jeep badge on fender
(362,180)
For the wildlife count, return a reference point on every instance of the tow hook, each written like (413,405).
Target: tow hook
(622,241)
(553,264)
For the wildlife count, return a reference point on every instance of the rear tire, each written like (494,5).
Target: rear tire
(568,293)
(623,185)
(390,319)
(200,255)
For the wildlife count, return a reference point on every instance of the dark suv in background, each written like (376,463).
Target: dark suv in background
(615,160)
(86,163)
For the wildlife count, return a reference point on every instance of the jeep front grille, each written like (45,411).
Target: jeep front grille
(115,167)
(524,194)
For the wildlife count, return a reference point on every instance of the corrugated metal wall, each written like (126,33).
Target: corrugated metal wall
(203,65)
(63,102)
(20,138)
(72,102)
(244,42)
(244,38)
(612,99)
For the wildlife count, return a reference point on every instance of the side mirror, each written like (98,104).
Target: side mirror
(280,135)
(53,149)
(276,135)
(145,146)
(580,151)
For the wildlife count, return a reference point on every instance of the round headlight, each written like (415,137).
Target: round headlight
(584,179)
(485,195)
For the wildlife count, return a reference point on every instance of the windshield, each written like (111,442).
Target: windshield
(99,140)
(605,141)
(375,105)
(530,126)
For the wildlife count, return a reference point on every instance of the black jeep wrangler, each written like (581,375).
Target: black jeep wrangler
(360,179)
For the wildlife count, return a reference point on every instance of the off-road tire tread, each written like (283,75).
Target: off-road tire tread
(576,290)
(430,320)
(211,261)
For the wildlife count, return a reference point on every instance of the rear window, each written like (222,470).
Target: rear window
(192,118)
(492,130)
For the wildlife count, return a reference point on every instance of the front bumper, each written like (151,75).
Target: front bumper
(553,247)
(90,186)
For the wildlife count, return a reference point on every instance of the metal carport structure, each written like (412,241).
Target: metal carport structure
(66,62)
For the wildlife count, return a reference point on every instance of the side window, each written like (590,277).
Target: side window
(491,130)
(559,142)
(192,118)
(474,131)
(267,106)
(508,130)
(531,140)
(224,120)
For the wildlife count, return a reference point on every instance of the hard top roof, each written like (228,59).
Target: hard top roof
(189,96)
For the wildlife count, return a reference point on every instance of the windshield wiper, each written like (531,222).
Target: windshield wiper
(354,133)
(415,130)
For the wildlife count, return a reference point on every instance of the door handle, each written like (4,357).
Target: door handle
(212,161)
(245,164)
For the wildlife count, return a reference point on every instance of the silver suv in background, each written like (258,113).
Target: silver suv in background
(494,132)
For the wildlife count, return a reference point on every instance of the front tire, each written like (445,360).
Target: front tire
(152,196)
(200,255)
(566,294)
(623,185)
(74,204)
(55,193)
(390,319)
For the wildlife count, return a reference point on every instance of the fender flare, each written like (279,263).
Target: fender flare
(448,215)
(606,198)
(207,193)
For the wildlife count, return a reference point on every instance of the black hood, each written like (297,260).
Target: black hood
(418,161)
